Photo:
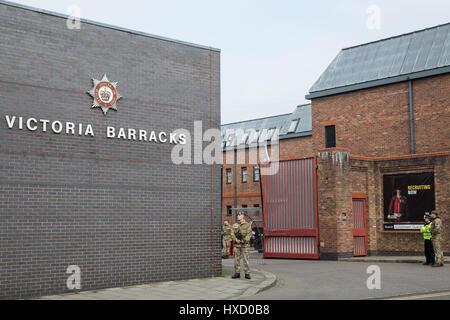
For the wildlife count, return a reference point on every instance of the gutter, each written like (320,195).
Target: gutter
(235,179)
(411,117)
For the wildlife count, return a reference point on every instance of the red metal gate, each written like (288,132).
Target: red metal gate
(290,210)
(359,227)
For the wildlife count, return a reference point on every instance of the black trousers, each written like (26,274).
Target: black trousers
(429,251)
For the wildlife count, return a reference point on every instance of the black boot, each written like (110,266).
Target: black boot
(247,276)
(235,276)
(438,265)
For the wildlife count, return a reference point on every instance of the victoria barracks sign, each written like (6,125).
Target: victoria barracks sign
(105,97)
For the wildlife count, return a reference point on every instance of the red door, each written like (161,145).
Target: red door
(290,209)
(359,227)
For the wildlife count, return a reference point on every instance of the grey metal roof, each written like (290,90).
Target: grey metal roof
(247,132)
(408,56)
(105,25)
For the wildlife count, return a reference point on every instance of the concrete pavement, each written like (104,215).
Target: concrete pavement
(218,288)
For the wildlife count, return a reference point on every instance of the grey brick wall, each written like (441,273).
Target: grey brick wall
(118,209)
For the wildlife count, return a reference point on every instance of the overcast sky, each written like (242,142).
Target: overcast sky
(271,51)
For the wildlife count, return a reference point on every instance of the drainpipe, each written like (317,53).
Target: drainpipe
(411,116)
(235,176)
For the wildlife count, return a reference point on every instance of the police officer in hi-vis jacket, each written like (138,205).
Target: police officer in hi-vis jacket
(426,231)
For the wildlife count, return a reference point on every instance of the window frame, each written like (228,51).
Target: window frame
(331,145)
(242,175)
(228,170)
(256,205)
(256,166)
(297,121)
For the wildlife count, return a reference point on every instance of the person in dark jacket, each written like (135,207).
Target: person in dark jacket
(398,208)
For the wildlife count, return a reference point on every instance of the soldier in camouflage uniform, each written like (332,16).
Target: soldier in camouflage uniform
(436,229)
(226,239)
(241,234)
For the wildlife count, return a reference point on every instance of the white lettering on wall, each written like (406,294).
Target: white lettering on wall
(44,124)
(29,127)
(161,139)
(57,126)
(89,130)
(10,121)
(110,132)
(72,128)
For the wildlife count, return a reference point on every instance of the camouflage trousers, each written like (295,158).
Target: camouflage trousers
(439,256)
(244,252)
(226,244)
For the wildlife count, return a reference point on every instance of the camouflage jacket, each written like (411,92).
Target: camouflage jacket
(436,226)
(245,229)
(226,232)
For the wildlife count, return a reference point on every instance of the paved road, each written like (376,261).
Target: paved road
(309,279)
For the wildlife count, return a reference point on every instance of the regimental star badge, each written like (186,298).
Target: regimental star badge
(105,94)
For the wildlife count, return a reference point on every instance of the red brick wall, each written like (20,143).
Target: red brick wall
(406,243)
(249,193)
(296,148)
(383,242)
(431,99)
(375,121)
(339,182)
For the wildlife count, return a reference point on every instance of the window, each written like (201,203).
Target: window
(243,138)
(262,135)
(253,136)
(270,133)
(244,206)
(229,211)
(256,173)
(244,174)
(330,137)
(256,212)
(228,177)
(293,126)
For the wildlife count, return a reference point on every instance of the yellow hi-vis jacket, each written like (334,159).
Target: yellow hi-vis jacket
(426,231)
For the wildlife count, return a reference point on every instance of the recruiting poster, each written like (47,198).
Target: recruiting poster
(406,199)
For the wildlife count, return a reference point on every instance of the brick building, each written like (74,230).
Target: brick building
(380,115)
(74,193)
(294,131)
